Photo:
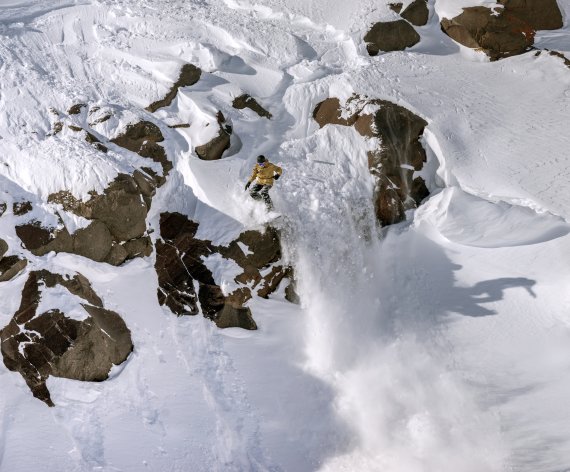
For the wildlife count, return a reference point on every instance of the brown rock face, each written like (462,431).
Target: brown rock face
(10,266)
(38,345)
(189,75)
(187,286)
(417,13)
(390,36)
(394,163)
(118,228)
(215,149)
(508,33)
(245,101)
(143,138)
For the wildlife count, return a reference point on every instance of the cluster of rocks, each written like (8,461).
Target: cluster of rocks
(113,229)
(38,345)
(503,31)
(395,161)
(187,286)
(506,30)
(400,34)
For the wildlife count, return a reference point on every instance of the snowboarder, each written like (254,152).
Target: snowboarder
(264,173)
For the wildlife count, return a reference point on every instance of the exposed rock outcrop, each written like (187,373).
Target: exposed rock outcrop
(21,208)
(561,56)
(10,266)
(417,12)
(118,228)
(214,149)
(76,109)
(390,36)
(38,345)
(189,75)
(143,138)
(187,286)
(246,101)
(503,32)
(400,154)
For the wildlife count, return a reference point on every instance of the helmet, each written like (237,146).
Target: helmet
(261,159)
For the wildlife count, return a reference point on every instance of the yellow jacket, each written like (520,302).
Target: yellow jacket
(265,174)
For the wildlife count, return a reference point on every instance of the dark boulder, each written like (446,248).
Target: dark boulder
(417,13)
(214,149)
(187,286)
(391,36)
(38,345)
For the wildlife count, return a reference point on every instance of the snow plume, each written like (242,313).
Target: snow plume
(396,386)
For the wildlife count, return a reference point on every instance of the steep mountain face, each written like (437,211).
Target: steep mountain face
(405,308)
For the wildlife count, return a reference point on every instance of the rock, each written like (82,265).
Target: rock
(397,7)
(139,247)
(245,101)
(180,125)
(40,241)
(215,149)
(57,128)
(291,293)
(3,208)
(235,317)
(117,255)
(390,36)
(3,247)
(121,208)
(38,345)
(76,109)
(118,217)
(417,13)
(538,14)
(11,266)
(552,53)
(93,242)
(187,286)
(143,138)
(392,165)
(21,208)
(503,32)
(92,139)
(179,263)
(189,75)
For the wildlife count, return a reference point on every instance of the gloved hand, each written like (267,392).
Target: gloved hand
(247,185)
(276,176)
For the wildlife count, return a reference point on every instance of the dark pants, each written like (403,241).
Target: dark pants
(261,192)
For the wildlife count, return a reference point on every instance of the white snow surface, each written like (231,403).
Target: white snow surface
(439,344)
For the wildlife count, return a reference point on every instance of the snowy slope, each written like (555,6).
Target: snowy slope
(441,344)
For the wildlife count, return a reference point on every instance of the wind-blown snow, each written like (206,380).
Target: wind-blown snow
(441,345)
